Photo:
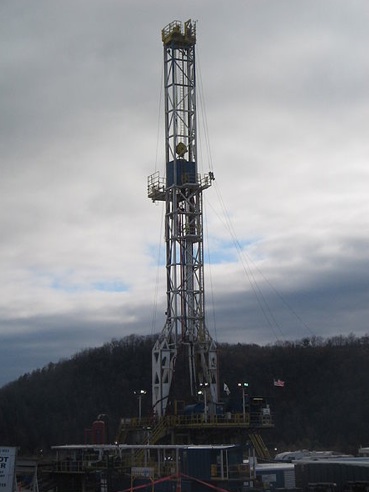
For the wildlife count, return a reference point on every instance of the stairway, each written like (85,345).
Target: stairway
(259,445)
(158,431)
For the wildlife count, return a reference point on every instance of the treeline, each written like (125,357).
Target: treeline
(323,405)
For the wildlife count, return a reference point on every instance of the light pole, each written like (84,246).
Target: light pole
(243,386)
(139,395)
(203,391)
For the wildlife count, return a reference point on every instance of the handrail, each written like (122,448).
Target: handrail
(251,419)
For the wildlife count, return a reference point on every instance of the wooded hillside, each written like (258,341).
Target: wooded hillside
(324,404)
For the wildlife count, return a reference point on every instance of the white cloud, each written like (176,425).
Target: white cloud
(287,105)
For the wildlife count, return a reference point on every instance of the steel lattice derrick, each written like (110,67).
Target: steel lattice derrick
(185,329)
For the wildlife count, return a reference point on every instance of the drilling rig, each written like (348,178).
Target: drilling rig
(190,430)
(184,337)
(185,379)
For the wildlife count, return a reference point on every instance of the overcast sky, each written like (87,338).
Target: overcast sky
(283,94)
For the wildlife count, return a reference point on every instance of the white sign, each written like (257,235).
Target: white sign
(269,478)
(140,471)
(7,468)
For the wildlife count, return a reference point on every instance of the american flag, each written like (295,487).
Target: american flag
(279,382)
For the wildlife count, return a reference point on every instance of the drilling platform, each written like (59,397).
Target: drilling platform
(186,402)
(191,429)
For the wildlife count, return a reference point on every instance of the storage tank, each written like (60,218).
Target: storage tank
(98,432)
